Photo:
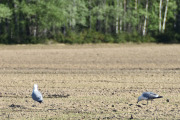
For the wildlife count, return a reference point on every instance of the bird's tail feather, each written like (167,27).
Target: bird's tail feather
(160,97)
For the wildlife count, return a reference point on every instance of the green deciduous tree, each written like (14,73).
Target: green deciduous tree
(35,21)
(5,12)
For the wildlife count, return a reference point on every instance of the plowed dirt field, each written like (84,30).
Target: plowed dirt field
(100,81)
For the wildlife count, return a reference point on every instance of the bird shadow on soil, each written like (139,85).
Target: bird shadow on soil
(13,106)
(57,96)
(48,96)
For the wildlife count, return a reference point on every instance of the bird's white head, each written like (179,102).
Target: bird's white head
(139,98)
(35,87)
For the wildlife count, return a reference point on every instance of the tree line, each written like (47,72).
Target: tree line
(89,21)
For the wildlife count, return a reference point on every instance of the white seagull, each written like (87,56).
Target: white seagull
(36,95)
(148,96)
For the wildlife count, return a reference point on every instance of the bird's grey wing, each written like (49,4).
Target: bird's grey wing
(37,95)
(150,95)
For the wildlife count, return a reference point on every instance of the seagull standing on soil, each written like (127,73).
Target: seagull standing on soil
(36,95)
(148,96)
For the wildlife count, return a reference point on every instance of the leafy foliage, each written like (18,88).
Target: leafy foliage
(81,21)
(5,12)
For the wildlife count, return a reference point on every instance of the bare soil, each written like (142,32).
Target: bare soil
(100,81)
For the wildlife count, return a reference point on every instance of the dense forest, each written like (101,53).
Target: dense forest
(89,21)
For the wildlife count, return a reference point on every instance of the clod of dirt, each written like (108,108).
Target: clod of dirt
(15,106)
(114,110)
(167,100)
(139,106)
(51,109)
(148,110)
(107,118)
(130,104)
(131,117)
(33,105)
